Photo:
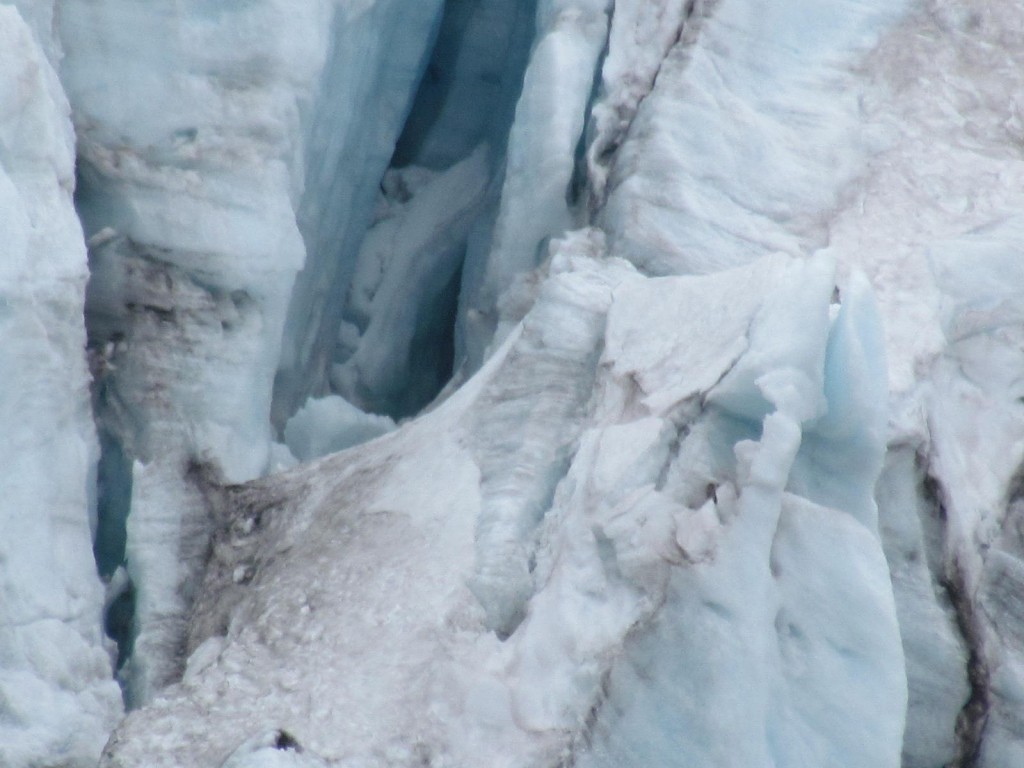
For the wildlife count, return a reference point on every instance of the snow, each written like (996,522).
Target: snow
(401,530)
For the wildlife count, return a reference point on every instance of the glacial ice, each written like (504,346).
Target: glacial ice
(587,610)
(762,92)
(539,163)
(701,321)
(330,424)
(185,194)
(624,536)
(377,52)
(405,285)
(201,213)
(58,700)
(936,655)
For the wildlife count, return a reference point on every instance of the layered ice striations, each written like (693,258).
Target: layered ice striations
(748,94)
(186,178)
(537,410)
(58,700)
(221,151)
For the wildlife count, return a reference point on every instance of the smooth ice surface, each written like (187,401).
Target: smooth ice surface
(58,700)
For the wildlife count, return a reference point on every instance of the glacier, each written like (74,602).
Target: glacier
(58,700)
(552,383)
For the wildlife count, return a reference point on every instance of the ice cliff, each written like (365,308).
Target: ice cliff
(596,383)
(57,696)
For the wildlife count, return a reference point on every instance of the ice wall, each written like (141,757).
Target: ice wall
(931,223)
(673,596)
(749,95)
(222,152)
(377,56)
(58,700)
(397,343)
(189,120)
(539,162)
